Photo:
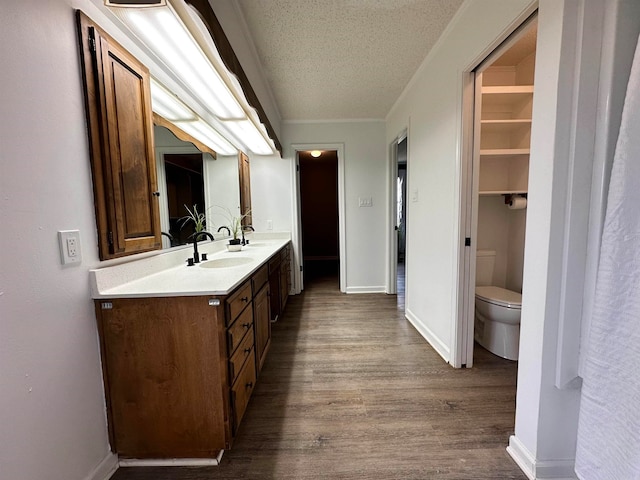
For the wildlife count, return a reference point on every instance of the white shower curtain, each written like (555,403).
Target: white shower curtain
(609,427)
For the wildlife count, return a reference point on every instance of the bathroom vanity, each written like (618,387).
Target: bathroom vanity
(182,347)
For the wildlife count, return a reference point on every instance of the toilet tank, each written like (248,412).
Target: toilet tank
(485,260)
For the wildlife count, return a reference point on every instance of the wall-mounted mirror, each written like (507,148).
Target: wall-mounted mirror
(188,176)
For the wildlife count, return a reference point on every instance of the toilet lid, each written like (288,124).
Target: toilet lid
(499,296)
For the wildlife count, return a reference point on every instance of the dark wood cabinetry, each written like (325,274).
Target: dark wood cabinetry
(120,126)
(244,171)
(179,371)
(165,372)
(280,281)
(262,318)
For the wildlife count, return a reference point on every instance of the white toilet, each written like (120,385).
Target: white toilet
(497,316)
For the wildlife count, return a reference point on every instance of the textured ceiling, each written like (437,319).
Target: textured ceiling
(342,59)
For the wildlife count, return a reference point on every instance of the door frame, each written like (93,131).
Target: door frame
(392,237)
(463,328)
(296,231)
(161,174)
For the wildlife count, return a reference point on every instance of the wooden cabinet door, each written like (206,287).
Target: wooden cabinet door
(118,103)
(245,188)
(284,285)
(165,365)
(262,325)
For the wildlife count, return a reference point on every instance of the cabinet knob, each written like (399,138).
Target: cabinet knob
(156,194)
(245,299)
(246,325)
(249,385)
(247,350)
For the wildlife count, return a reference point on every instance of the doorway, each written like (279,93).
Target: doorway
(401,217)
(318,177)
(185,187)
(322,257)
(398,187)
(498,103)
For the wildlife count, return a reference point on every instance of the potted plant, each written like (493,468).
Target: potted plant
(234,224)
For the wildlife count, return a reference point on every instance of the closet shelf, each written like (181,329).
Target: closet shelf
(501,192)
(506,126)
(506,89)
(504,152)
(507,121)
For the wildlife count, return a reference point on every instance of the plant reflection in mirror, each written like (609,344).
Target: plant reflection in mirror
(199,219)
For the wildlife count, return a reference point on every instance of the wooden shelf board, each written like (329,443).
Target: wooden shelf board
(507,121)
(504,152)
(501,192)
(507,89)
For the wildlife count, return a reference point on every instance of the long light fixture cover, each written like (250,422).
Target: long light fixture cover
(165,34)
(171,108)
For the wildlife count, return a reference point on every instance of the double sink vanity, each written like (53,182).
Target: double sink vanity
(182,346)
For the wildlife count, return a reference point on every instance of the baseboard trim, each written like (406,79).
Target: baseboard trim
(539,470)
(365,290)
(105,469)
(171,462)
(429,336)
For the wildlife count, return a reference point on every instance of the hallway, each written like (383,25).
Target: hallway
(350,390)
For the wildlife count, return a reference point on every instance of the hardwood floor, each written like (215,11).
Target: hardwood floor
(350,390)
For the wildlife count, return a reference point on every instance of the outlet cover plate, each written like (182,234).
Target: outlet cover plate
(69,243)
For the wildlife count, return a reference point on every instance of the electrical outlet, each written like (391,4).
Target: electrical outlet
(69,241)
(269,224)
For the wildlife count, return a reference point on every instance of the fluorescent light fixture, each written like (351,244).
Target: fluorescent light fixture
(168,105)
(161,30)
(315,153)
(135,3)
(207,135)
(248,134)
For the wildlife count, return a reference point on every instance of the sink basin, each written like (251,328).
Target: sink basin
(226,262)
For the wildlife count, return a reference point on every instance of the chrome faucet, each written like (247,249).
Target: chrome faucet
(246,227)
(196,236)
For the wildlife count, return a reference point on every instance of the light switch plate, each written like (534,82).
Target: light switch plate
(69,242)
(365,201)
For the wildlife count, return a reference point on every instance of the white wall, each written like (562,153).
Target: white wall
(271,193)
(502,230)
(365,176)
(431,108)
(52,408)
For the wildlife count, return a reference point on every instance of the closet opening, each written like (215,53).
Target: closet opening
(319,205)
(496,198)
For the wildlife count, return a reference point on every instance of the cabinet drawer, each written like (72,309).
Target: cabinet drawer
(260,278)
(240,355)
(242,389)
(239,328)
(237,302)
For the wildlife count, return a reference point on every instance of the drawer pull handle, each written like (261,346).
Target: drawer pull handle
(246,325)
(249,385)
(245,299)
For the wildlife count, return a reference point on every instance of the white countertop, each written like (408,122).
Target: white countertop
(167,274)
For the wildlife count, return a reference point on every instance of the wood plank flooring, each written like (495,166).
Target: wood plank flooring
(350,390)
